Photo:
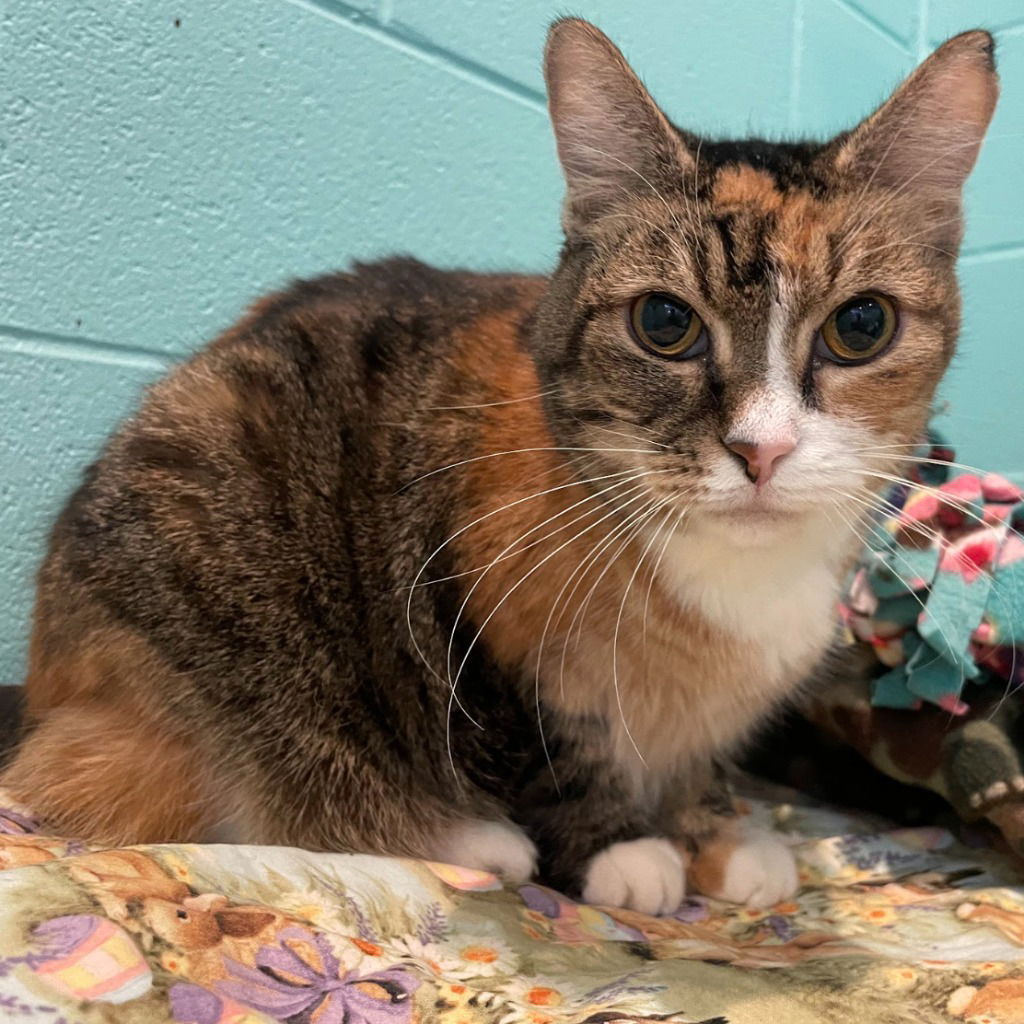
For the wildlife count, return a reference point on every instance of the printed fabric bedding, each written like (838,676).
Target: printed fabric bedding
(890,926)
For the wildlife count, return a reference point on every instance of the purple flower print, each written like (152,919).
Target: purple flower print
(542,901)
(285,986)
(433,925)
(191,1004)
(14,823)
(568,924)
(781,926)
(692,910)
(362,925)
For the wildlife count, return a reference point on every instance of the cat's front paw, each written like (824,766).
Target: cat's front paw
(746,865)
(647,875)
(495,846)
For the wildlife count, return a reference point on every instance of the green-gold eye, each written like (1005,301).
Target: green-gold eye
(859,329)
(667,326)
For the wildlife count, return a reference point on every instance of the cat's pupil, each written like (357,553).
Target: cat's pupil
(664,320)
(861,323)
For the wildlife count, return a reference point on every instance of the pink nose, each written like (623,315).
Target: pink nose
(761,459)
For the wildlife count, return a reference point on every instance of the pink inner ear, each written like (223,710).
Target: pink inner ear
(613,140)
(928,133)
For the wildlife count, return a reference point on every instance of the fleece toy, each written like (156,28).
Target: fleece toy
(939,591)
(935,609)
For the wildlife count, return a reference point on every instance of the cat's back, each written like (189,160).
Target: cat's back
(253,478)
(339,367)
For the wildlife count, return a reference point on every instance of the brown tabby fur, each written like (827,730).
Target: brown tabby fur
(220,632)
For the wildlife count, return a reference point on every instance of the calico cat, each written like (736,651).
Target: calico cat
(500,570)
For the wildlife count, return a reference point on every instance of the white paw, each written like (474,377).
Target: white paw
(644,874)
(493,846)
(753,866)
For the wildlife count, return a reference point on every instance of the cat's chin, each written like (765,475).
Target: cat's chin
(752,525)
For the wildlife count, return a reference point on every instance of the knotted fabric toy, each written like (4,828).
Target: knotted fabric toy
(935,611)
(939,591)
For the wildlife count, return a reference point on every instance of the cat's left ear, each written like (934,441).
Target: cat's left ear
(925,138)
(613,140)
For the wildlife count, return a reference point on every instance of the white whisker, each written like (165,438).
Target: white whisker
(519,451)
(630,437)
(624,477)
(455,682)
(508,547)
(657,565)
(578,574)
(491,405)
(618,623)
(412,589)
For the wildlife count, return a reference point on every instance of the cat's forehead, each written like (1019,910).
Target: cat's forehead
(756,229)
(755,219)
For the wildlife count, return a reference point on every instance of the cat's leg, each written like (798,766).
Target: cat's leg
(744,863)
(601,846)
(343,797)
(108,774)
(496,846)
(596,844)
(732,858)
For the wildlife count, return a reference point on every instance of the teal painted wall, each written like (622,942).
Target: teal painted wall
(161,163)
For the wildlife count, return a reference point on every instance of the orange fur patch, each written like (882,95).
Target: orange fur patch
(110,775)
(707,869)
(745,186)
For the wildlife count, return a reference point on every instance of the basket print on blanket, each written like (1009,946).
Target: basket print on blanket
(889,927)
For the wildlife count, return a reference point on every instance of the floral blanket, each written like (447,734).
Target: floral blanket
(890,926)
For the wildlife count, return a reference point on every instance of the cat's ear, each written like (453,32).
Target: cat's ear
(613,141)
(926,136)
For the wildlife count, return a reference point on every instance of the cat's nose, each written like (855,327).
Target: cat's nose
(760,459)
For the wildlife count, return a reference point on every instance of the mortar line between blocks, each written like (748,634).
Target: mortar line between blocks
(796,65)
(992,253)
(870,21)
(399,37)
(78,348)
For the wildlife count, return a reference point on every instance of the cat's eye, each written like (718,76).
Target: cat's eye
(858,329)
(667,326)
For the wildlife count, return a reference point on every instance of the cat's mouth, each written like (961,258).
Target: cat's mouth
(757,512)
(753,514)
(751,518)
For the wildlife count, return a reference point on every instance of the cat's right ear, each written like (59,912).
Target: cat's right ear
(613,141)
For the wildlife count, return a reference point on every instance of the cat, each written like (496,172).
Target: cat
(501,570)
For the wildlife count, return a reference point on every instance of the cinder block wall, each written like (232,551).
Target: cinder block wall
(163,162)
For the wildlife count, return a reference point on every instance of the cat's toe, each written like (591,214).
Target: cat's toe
(749,865)
(643,874)
(495,846)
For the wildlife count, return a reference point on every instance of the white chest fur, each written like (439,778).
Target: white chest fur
(736,627)
(778,596)
(748,622)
